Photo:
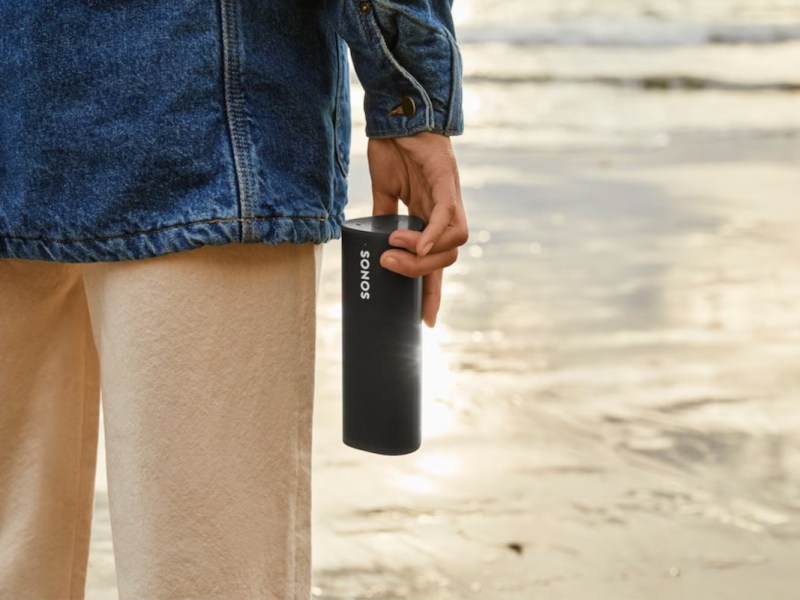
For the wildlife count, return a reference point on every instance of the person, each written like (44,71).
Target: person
(169,173)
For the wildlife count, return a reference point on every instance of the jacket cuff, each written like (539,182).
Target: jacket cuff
(408,62)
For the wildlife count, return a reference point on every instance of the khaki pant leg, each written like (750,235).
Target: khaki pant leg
(49,411)
(207,390)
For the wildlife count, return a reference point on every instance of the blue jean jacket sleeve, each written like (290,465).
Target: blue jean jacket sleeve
(407,60)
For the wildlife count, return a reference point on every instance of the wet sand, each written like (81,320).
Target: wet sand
(611,390)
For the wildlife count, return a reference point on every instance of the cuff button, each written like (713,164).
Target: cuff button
(406,107)
(364,7)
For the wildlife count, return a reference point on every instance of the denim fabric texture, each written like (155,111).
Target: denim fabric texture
(135,128)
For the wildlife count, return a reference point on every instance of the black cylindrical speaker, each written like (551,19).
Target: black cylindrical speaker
(381,341)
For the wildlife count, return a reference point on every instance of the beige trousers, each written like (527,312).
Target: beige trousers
(205,360)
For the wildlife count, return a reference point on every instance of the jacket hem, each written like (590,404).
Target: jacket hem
(172,238)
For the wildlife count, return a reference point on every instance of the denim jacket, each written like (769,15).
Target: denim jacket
(134,128)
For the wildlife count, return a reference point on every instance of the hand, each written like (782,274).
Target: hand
(421,171)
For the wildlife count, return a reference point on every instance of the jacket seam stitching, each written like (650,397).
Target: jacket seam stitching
(235,110)
(455,64)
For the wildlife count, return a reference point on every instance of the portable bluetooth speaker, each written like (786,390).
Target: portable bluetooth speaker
(381,340)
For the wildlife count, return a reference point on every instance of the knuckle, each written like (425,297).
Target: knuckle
(411,268)
(414,269)
(452,256)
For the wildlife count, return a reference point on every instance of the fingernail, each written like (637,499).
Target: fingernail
(427,248)
(389,261)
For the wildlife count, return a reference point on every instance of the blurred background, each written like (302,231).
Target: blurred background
(611,391)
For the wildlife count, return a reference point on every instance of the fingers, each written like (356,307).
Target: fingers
(447,211)
(431,296)
(410,240)
(385,169)
(383,203)
(409,264)
(422,171)
(439,220)
(445,199)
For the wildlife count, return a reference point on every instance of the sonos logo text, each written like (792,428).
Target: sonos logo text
(364,274)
